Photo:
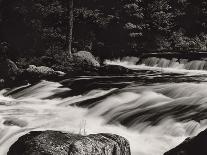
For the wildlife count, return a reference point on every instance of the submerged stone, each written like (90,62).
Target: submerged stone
(114,70)
(14,122)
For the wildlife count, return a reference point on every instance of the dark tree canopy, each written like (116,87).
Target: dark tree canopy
(106,28)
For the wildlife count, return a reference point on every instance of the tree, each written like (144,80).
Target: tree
(69,35)
(132,18)
(161,16)
(161,21)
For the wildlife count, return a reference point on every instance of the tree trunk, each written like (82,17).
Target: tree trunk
(69,35)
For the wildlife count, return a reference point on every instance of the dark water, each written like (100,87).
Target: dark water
(155,108)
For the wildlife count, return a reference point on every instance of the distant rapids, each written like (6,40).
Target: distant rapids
(154,108)
(166,63)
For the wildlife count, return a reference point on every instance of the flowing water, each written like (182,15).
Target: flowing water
(155,108)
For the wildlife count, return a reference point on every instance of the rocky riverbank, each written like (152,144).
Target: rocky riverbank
(84,63)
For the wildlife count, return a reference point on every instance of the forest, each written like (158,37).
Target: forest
(109,28)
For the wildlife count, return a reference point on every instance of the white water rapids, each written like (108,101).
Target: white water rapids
(154,111)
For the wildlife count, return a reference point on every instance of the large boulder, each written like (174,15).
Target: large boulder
(58,143)
(9,69)
(85,59)
(191,146)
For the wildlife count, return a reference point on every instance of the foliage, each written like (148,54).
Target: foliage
(183,43)
(132,17)
(37,28)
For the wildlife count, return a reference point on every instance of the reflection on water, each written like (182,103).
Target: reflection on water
(153,108)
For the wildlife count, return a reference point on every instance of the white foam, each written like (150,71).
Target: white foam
(176,69)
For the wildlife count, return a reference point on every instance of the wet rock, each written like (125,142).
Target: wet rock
(8,69)
(58,143)
(41,72)
(114,70)
(10,73)
(191,146)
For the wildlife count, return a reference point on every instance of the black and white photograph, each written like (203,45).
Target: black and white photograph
(103,77)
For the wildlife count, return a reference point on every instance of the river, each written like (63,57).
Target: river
(155,108)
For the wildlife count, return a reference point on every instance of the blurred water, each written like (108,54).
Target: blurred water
(154,108)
